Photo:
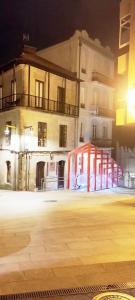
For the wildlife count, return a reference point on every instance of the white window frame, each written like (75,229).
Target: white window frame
(123,21)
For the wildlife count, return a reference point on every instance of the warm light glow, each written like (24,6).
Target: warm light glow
(131,106)
(120,116)
(126,113)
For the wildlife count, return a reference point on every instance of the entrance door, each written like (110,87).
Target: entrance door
(39,173)
(61,165)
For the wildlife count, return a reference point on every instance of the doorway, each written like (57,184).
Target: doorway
(61,168)
(8,171)
(40,174)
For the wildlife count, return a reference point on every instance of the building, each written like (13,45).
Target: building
(125,113)
(94,66)
(125,109)
(39,109)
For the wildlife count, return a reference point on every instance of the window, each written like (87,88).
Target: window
(1,92)
(123,64)
(94,133)
(8,163)
(42,134)
(39,93)
(61,94)
(83,61)
(81,133)
(63,136)
(61,99)
(95,97)
(8,133)
(104,132)
(82,97)
(13,90)
(124,31)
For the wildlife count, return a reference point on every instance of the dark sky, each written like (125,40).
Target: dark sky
(51,21)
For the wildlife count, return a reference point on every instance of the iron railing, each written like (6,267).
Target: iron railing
(96,76)
(102,111)
(39,103)
(102,142)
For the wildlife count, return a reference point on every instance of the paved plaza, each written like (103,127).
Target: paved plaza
(66,239)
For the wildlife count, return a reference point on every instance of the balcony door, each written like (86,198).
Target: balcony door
(61,99)
(39,93)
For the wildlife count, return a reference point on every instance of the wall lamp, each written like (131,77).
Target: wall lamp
(7,131)
(51,156)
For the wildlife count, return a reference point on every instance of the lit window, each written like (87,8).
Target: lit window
(42,134)
(63,136)
(124,31)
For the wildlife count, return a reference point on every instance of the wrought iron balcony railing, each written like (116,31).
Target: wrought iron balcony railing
(101,142)
(39,103)
(96,76)
(102,111)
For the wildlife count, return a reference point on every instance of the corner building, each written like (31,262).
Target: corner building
(38,122)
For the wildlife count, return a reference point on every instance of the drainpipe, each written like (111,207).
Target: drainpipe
(29,172)
(78,90)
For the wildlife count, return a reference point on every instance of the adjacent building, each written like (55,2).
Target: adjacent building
(39,109)
(94,66)
(125,109)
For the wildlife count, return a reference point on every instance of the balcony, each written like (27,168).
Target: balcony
(101,78)
(42,104)
(100,142)
(102,111)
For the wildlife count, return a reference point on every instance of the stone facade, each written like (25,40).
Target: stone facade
(94,65)
(30,98)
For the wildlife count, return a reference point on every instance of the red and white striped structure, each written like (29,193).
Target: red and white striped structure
(91,169)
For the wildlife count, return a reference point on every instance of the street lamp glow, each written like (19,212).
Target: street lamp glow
(131,105)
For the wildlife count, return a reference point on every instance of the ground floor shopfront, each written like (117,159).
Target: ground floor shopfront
(32,171)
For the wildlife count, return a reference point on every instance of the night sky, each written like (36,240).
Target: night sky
(52,21)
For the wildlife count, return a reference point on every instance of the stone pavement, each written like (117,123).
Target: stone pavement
(130,292)
(65,239)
